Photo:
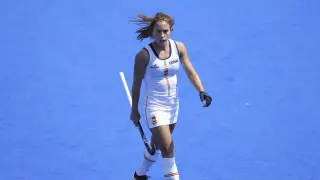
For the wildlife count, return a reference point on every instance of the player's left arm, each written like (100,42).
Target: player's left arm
(192,74)
(188,67)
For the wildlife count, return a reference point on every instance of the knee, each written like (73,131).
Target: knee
(167,150)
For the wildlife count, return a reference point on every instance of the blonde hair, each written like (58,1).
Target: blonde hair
(147,24)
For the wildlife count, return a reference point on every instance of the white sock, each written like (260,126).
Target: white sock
(170,169)
(147,161)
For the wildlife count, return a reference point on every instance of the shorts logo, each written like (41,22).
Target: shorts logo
(154,120)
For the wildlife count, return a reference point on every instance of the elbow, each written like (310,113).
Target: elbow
(192,75)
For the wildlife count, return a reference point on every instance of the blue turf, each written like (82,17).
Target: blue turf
(64,114)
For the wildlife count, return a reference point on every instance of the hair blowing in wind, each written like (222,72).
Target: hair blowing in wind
(147,23)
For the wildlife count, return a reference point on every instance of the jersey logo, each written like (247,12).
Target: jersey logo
(174,61)
(165,72)
(154,66)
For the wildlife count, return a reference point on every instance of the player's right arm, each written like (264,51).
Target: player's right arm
(140,63)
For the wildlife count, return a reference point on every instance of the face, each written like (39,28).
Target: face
(161,32)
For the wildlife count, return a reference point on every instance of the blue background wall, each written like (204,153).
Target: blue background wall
(64,114)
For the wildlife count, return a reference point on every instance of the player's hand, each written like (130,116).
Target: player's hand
(205,98)
(135,116)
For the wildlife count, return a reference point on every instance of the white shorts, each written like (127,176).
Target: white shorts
(159,116)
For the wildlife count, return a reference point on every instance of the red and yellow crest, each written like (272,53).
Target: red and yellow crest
(154,120)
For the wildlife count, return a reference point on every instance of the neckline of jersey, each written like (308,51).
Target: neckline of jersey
(157,55)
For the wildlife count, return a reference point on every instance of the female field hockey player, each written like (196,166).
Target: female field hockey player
(158,64)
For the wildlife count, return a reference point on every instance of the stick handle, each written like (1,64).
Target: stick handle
(124,82)
(151,150)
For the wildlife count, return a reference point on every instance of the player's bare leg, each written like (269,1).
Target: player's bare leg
(148,160)
(163,139)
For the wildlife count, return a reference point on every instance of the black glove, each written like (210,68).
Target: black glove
(205,98)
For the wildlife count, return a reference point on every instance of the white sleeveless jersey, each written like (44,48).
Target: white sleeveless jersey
(161,79)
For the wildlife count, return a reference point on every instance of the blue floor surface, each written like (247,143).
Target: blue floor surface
(64,114)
